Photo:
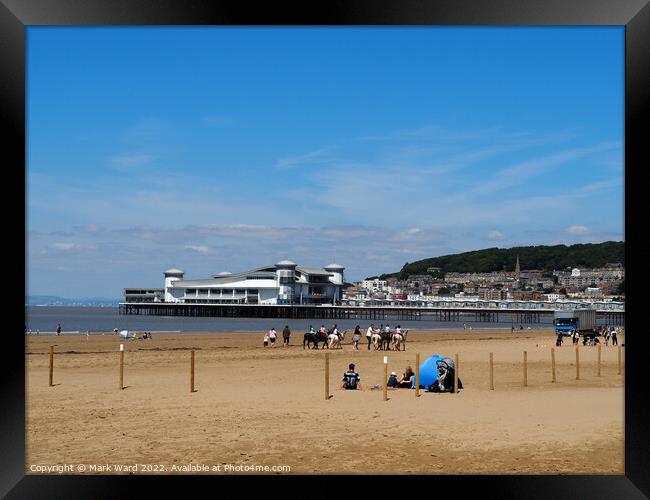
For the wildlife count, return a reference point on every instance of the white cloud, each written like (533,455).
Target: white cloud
(577,230)
(495,235)
(63,246)
(198,248)
(413,230)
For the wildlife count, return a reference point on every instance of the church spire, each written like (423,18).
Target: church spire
(517,268)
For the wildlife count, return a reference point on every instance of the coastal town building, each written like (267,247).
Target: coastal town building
(283,283)
(486,293)
(581,278)
(375,285)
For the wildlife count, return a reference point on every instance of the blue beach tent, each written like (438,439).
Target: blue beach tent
(428,371)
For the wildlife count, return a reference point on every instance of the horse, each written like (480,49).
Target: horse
(335,340)
(375,338)
(402,341)
(396,341)
(385,340)
(314,338)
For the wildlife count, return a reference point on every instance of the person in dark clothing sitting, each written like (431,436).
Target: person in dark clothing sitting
(407,378)
(351,379)
(392,381)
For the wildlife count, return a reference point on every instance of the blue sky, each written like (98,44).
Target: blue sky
(228,148)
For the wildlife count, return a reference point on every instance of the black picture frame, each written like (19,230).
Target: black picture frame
(16,15)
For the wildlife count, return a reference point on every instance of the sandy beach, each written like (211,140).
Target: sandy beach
(257,406)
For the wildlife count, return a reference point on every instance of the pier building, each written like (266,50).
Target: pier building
(285,283)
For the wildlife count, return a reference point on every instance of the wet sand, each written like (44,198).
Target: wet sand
(257,406)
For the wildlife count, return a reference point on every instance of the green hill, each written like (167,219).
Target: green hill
(546,258)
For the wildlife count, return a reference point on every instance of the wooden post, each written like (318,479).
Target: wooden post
(52,364)
(327,376)
(491,372)
(599,357)
(121,370)
(192,371)
(456,376)
(417,375)
(577,363)
(619,359)
(553,362)
(525,369)
(385,379)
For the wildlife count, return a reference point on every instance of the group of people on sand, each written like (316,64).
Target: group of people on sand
(385,329)
(38,331)
(609,333)
(352,380)
(272,335)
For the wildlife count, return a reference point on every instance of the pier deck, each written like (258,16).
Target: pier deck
(404,313)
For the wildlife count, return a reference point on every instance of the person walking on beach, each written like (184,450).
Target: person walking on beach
(272,335)
(369,332)
(58,329)
(286,333)
(356,337)
(614,339)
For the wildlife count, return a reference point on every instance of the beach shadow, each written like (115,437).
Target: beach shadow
(330,396)
(195,390)
(126,387)
(54,385)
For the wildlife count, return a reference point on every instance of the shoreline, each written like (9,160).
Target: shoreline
(261,332)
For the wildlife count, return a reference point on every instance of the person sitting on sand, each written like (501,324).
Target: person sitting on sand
(351,379)
(392,381)
(407,379)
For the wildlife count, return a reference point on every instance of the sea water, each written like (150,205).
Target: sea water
(77,320)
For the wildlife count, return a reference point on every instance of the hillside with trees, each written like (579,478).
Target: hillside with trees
(545,258)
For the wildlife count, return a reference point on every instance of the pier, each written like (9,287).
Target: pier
(404,313)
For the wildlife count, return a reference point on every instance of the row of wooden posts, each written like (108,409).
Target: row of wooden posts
(417,370)
(457,367)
